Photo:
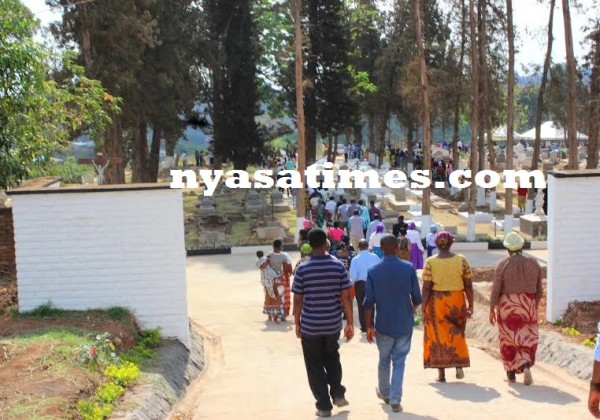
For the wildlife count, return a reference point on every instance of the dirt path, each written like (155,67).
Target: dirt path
(256,371)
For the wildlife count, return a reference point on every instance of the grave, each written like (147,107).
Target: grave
(254,201)
(271,232)
(278,204)
(212,237)
(206,207)
(480,217)
(535,224)
(216,222)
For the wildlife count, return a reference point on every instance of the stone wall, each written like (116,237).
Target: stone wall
(7,246)
(86,248)
(573,229)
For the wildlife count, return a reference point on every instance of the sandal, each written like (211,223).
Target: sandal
(511,376)
(460,373)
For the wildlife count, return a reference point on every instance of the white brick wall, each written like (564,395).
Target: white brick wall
(573,232)
(106,248)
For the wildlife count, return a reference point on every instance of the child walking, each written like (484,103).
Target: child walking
(430,240)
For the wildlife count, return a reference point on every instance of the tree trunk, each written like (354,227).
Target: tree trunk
(510,125)
(540,98)
(594,139)
(139,154)
(474,102)
(300,200)
(371,132)
(329,147)
(357,134)
(152,170)
(426,202)
(572,103)
(482,38)
(113,147)
(459,83)
(380,129)
(310,99)
(410,142)
(170,143)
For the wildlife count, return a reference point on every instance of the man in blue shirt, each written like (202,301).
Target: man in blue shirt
(393,289)
(320,288)
(359,268)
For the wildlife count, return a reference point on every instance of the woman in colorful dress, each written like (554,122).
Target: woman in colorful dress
(416,249)
(281,262)
(447,303)
(514,301)
(272,307)
(403,246)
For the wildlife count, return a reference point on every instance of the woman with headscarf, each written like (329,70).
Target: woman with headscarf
(303,235)
(281,262)
(375,241)
(514,301)
(447,303)
(416,249)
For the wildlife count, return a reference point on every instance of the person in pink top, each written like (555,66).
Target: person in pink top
(335,235)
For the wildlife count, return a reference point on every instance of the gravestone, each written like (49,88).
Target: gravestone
(206,208)
(400,194)
(276,197)
(254,201)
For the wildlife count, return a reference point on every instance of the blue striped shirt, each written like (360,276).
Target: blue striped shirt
(321,280)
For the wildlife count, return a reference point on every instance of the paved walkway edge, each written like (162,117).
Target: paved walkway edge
(165,381)
(552,349)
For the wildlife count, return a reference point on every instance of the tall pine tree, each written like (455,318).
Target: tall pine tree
(233,52)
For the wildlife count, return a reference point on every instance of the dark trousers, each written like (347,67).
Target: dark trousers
(324,370)
(359,290)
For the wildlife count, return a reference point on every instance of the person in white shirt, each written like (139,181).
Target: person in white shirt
(331,207)
(373,225)
(416,249)
(375,240)
(355,225)
(430,241)
(359,267)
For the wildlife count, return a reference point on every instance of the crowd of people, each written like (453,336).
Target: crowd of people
(381,276)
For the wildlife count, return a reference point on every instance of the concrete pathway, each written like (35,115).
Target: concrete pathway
(256,370)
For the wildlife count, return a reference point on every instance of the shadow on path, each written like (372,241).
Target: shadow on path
(282,327)
(466,392)
(542,394)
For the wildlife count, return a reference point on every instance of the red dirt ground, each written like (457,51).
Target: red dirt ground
(32,375)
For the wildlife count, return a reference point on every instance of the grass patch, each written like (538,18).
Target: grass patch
(48,310)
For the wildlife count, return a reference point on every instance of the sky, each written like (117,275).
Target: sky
(530,20)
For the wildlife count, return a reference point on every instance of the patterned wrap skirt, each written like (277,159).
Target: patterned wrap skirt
(445,345)
(518,331)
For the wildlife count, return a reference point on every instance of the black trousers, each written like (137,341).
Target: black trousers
(324,370)
(359,290)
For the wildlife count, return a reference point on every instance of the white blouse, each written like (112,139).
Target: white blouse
(415,238)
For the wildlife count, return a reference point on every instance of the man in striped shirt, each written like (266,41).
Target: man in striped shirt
(320,287)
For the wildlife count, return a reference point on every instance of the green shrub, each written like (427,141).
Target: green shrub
(109,392)
(144,349)
(123,375)
(44,311)
(119,313)
(93,410)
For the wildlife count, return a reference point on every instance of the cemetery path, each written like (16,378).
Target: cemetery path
(256,371)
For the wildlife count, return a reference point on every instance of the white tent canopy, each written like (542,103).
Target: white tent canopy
(501,134)
(551,131)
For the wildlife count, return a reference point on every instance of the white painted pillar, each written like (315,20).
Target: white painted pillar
(471,232)
(299,226)
(493,201)
(426,222)
(480,197)
(508,223)
(528,206)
